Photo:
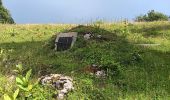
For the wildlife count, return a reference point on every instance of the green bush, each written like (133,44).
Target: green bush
(26,89)
(152,16)
(5,16)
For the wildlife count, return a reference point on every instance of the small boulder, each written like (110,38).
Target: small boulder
(100,73)
(87,36)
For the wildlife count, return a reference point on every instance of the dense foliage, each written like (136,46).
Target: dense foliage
(152,16)
(5,16)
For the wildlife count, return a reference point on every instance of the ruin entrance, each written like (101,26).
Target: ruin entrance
(65,41)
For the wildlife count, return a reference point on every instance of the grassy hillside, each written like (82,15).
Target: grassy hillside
(137,70)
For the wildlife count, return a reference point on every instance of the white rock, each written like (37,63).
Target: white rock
(99,36)
(63,84)
(66,78)
(94,65)
(100,73)
(68,85)
(87,36)
(60,96)
(46,80)
(64,91)
(55,75)
(58,85)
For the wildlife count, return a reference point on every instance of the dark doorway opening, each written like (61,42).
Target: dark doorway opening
(64,43)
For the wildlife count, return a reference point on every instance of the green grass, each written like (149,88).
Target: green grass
(140,72)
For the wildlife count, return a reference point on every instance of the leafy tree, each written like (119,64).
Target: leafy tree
(0,2)
(5,16)
(152,16)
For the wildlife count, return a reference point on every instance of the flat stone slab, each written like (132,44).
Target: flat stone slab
(147,45)
(65,41)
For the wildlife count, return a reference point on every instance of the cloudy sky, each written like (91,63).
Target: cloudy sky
(80,11)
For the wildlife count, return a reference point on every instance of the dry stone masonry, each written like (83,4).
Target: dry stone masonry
(63,84)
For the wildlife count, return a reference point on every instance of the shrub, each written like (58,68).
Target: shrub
(152,16)
(5,16)
(26,89)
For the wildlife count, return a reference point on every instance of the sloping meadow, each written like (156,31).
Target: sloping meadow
(135,68)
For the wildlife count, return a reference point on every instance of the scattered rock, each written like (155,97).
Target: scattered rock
(94,65)
(87,36)
(95,70)
(148,45)
(91,69)
(100,73)
(63,84)
(60,96)
(99,36)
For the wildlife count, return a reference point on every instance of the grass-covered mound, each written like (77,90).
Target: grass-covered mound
(133,71)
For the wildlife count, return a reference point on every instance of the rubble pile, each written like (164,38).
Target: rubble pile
(63,84)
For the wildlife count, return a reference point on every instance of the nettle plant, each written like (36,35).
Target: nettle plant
(26,90)
(23,83)
(13,97)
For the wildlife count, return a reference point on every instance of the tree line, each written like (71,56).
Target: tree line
(152,16)
(5,16)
